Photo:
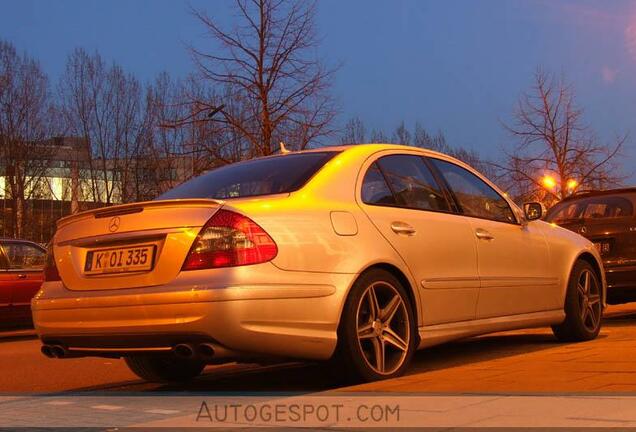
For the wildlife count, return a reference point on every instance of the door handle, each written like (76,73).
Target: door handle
(22,276)
(482,234)
(402,228)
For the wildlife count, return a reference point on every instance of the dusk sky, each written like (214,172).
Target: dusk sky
(455,66)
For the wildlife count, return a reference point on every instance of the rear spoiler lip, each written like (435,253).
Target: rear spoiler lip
(132,208)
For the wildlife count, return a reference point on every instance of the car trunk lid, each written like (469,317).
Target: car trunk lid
(615,238)
(165,230)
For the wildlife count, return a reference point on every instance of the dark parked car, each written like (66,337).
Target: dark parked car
(606,218)
(21,264)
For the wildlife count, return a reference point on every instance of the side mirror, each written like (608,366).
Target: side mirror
(533,211)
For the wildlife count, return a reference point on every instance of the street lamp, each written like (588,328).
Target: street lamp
(572,184)
(548,182)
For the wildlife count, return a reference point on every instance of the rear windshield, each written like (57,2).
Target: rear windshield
(266,176)
(600,207)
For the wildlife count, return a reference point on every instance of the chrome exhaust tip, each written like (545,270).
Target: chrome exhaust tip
(46,350)
(183,351)
(58,351)
(206,351)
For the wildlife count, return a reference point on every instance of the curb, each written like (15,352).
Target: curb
(17,334)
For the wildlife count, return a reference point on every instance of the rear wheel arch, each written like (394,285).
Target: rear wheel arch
(401,277)
(351,356)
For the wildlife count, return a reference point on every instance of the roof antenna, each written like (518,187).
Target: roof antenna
(283,150)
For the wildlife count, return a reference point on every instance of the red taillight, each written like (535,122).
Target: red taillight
(229,239)
(50,269)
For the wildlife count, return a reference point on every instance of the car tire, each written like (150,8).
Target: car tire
(583,305)
(377,335)
(164,369)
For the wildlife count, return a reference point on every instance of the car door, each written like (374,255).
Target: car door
(7,281)
(405,202)
(513,256)
(26,262)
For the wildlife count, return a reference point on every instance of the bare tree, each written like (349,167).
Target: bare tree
(379,137)
(127,130)
(554,143)
(353,132)
(401,135)
(421,138)
(163,147)
(26,114)
(171,152)
(103,104)
(273,87)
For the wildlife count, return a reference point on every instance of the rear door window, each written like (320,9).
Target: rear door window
(375,189)
(23,256)
(265,176)
(403,181)
(4,264)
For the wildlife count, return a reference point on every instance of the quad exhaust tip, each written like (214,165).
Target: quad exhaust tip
(183,351)
(53,351)
(46,350)
(206,351)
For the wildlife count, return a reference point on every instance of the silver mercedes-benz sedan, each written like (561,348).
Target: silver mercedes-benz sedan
(359,254)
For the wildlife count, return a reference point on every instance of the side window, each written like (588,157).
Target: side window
(475,196)
(561,213)
(608,207)
(411,183)
(374,188)
(24,256)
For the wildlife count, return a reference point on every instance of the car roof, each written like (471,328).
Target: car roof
(594,193)
(368,148)
(372,148)
(343,147)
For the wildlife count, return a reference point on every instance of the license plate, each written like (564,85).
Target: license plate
(120,260)
(603,247)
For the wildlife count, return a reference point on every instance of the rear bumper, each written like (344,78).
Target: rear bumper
(620,276)
(280,320)
(621,283)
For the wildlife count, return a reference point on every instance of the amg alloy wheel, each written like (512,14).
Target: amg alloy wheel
(583,305)
(377,333)
(383,328)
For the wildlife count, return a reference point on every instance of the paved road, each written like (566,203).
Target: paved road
(517,362)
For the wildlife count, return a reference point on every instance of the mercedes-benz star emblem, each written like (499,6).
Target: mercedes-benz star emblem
(113,225)
(583,230)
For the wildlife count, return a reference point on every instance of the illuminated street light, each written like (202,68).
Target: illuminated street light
(548,181)
(572,184)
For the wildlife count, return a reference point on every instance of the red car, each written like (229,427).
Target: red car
(21,264)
